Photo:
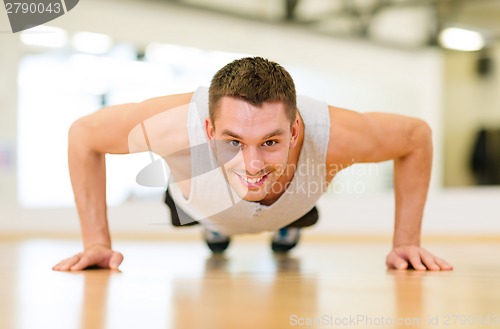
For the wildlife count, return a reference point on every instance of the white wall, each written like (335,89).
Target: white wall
(352,74)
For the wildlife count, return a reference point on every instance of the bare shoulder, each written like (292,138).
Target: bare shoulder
(136,127)
(161,125)
(345,135)
(370,137)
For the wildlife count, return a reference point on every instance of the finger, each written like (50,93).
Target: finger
(444,265)
(394,261)
(115,260)
(414,258)
(82,264)
(429,261)
(69,262)
(58,265)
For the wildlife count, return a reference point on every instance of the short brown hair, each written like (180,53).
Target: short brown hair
(255,80)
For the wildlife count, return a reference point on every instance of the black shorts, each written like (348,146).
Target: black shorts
(308,219)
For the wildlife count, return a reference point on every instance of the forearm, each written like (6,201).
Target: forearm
(88,178)
(411,183)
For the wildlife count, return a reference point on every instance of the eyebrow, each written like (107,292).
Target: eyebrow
(277,132)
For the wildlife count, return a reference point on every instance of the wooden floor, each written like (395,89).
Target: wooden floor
(179,285)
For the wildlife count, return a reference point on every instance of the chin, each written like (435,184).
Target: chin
(248,195)
(252,197)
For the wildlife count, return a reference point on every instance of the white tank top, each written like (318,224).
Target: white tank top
(216,206)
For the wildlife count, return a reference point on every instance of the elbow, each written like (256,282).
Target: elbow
(421,136)
(76,130)
(79,133)
(424,131)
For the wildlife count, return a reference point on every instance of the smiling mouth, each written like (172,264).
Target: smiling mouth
(253,181)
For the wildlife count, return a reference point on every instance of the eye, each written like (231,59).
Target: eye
(234,143)
(270,143)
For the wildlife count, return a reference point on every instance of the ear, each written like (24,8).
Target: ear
(295,131)
(209,129)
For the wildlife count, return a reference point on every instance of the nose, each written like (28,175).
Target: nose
(253,160)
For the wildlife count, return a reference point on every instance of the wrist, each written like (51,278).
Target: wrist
(96,237)
(397,244)
(96,245)
(406,241)
(406,236)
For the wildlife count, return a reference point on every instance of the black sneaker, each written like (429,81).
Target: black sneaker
(285,239)
(218,243)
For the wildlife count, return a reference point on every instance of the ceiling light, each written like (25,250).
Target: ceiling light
(92,43)
(44,36)
(461,39)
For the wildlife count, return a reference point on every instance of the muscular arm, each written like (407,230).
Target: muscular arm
(375,137)
(90,138)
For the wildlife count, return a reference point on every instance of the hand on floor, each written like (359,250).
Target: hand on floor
(406,257)
(96,256)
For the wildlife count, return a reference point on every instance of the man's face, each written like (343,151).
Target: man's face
(252,144)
